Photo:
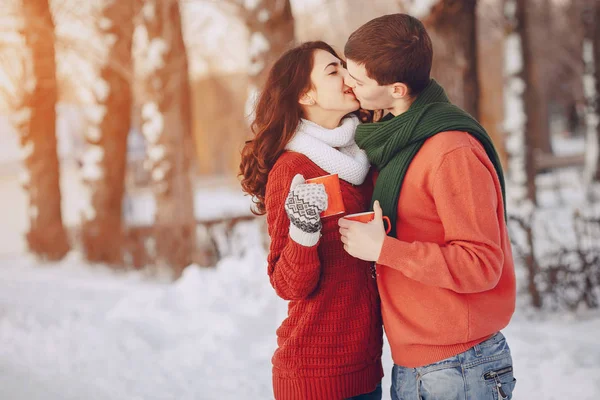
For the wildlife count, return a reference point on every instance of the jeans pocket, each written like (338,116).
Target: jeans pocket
(501,382)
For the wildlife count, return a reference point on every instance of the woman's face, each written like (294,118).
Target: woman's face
(329,91)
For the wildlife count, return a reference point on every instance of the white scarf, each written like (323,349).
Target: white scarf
(334,150)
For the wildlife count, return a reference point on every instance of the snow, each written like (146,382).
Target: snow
(109,39)
(93,133)
(251,4)
(27,149)
(419,8)
(21,116)
(258,45)
(95,113)
(75,330)
(91,172)
(24,178)
(104,23)
(263,15)
(210,203)
(30,83)
(99,334)
(92,159)
(250,104)
(153,122)
(155,54)
(148,10)
(513,62)
(159,173)
(156,153)
(515,118)
(101,89)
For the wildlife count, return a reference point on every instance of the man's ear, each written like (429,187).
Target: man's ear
(306,100)
(399,90)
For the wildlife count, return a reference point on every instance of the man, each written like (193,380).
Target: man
(445,272)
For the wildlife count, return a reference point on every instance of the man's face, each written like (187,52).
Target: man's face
(369,93)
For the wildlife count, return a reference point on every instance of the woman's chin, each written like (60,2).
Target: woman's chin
(355,106)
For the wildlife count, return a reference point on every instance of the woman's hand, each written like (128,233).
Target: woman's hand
(303,206)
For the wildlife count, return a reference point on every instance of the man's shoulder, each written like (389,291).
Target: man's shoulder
(446,142)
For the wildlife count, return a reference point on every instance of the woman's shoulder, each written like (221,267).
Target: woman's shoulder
(292,161)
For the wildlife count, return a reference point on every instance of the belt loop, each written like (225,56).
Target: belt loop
(477,350)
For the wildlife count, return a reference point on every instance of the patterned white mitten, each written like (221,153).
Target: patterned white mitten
(303,205)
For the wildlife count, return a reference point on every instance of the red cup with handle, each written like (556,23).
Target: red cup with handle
(369,216)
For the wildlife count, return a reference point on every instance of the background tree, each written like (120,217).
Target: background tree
(538,112)
(452,27)
(167,128)
(109,123)
(491,31)
(592,18)
(35,119)
(530,97)
(270,26)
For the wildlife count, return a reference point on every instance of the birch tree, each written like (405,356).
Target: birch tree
(166,117)
(35,120)
(109,123)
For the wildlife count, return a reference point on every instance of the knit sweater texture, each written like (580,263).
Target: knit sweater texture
(446,279)
(330,344)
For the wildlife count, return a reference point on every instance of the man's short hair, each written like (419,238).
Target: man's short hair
(393,48)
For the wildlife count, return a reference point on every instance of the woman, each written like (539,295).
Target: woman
(329,346)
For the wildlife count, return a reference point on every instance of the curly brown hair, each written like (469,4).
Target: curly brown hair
(277,116)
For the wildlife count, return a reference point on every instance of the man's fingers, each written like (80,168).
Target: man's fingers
(378,210)
(346,223)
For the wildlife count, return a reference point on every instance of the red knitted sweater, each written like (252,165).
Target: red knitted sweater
(329,346)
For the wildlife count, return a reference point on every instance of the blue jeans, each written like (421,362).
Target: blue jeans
(374,395)
(482,372)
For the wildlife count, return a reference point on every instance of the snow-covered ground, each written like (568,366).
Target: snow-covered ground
(75,331)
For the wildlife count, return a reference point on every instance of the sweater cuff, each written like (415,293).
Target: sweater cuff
(391,252)
(304,238)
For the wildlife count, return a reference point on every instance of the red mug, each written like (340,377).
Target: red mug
(369,216)
(335,202)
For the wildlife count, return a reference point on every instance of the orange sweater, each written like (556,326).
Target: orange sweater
(329,346)
(447,280)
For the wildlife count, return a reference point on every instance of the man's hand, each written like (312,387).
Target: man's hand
(362,240)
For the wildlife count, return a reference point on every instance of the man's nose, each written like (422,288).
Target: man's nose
(348,81)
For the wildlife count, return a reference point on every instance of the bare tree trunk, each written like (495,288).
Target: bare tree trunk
(596,50)
(490,50)
(166,126)
(452,27)
(529,98)
(105,164)
(539,115)
(36,123)
(271,31)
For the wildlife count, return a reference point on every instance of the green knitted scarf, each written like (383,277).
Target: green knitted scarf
(392,144)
